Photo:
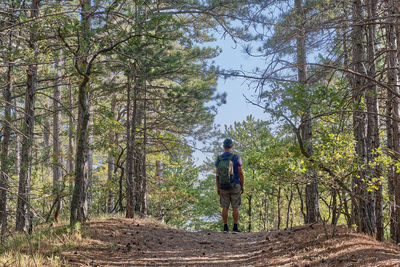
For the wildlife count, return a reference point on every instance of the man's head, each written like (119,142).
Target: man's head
(228,144)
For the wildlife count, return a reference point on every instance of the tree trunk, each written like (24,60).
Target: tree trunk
(249,212)
(79,204)
(70,159)
(159,170)
(396,133)
(5,150)
(46,130)
(365,203)
(4,160)
(57,155)
(373,140)
(301,203)
(79,198)
(312,196)
(138,176)
(279,207)
(334,206)
(342,197)
(120,191)
(90,157)
(70,163)
(392,125)
(260,212)
(110,180)
(22,218)
(139,158)
(143,195)
(110,158)
(266,212)
(130,155)
(290,199)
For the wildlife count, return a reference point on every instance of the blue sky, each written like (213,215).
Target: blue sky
(236,108)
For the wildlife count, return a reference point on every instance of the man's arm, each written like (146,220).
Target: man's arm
(216,175)
(241,177)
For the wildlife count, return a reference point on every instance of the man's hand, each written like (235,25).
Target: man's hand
(242,190)
(218,191)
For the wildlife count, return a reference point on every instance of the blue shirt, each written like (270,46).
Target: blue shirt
(237,161)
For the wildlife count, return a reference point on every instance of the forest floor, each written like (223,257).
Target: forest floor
(135,242)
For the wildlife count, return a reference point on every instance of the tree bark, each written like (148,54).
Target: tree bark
(79,204)
(396,134)
(365,203)
(249,212)
(18,150)
(4,185)
(342,197)
(120,189)
(110,180)
(301,203)
(5,144)
(143,195)
(392,125)
(334,206)
(139,154)
(266,211)
(57,155)
(79,199)
(22,218)
(46,130)
(90,157)
(70,161)
(138,175)
(373,139)
(130,157)
(159,170)
(110,158)
(312,196)
(290,199)
(279,207)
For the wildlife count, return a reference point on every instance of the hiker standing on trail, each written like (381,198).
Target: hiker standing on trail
(230,184)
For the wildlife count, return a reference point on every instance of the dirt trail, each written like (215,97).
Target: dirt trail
(124,242)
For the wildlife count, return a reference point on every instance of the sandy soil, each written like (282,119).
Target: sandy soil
(125,242)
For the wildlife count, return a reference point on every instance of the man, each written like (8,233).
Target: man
(231,193)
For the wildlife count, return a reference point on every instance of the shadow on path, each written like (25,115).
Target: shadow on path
(126,242)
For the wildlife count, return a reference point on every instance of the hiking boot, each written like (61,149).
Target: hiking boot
(235,229)
(226,229)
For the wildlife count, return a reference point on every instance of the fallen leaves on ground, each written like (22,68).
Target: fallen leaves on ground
(136,242)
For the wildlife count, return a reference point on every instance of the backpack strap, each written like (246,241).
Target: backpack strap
(230,157)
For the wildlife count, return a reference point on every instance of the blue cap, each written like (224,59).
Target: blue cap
(228,143)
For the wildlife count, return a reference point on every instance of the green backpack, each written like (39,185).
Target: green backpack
(225,172)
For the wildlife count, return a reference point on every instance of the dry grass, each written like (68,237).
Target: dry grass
(308,246)
(126,242)
(147,242)
(44,246)
(39,249)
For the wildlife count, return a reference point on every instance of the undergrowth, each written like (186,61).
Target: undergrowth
(45,245)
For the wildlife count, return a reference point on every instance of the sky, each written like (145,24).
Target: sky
(236,107)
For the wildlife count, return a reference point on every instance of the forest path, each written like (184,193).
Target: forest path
(127,242)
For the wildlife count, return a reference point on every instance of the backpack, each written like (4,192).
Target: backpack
(225,172)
